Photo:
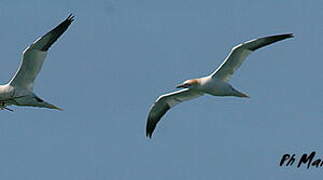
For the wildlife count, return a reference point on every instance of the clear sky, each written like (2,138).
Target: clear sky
(119,55)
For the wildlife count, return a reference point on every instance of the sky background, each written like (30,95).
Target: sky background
(118,56)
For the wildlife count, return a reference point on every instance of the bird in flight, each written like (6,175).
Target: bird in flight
(19,90)
(215,84)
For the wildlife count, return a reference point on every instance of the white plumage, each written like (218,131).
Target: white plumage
(215,84)
(19,91)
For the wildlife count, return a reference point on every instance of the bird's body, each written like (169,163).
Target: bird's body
(216,87)
(19,90)
(215,84)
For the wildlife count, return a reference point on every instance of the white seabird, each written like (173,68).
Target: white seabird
(215,84)
(19,90)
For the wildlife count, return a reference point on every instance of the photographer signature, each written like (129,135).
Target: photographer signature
(308,160)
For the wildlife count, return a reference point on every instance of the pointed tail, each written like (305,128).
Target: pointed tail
(240,94)
(51,106)
(35,101)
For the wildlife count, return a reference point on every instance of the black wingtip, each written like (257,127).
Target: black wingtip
(280,37)
(58,31)
(70,17)
(149,129)
(289,35)
(269,40)
(154,118)
(148,135)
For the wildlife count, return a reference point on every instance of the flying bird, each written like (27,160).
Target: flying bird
(215,84)
(19,90)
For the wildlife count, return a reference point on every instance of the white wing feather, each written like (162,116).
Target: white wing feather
(30,66)
(164,103)
(240,52)
(33,56)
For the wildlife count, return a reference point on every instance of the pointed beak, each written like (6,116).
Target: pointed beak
(60,109)
(246,96)
(243,95)
(181,86)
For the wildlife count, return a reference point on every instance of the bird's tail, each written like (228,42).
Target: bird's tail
(51,106)
(240,94)
(35,101)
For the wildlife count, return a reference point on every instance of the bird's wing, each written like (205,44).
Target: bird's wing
(34,56)
(239,53)
(164,103)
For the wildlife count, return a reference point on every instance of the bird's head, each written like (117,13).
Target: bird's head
(192,83)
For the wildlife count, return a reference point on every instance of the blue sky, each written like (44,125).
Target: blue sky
(119,55)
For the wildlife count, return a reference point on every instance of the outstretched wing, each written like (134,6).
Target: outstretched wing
(164,103)
(240,52)
(34,56)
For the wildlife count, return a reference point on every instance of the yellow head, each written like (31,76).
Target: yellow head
(189,83)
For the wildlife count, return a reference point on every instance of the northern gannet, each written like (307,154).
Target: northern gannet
(19,90)
(215,84)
